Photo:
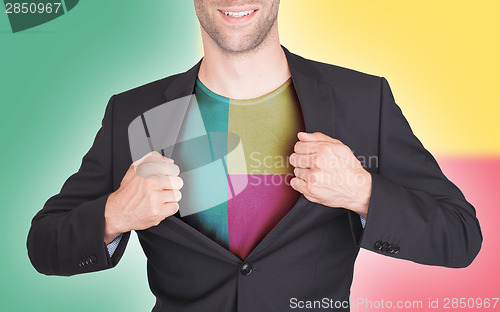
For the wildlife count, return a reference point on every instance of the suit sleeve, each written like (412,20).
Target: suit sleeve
(415,212)
(66,237)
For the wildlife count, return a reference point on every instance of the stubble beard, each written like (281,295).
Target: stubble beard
(249,43)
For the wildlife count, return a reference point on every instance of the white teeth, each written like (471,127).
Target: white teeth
(239,14)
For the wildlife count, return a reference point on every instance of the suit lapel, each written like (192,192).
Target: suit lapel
(316,99)
(318,109)
(183,84)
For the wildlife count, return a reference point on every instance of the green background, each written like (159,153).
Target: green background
(55,82)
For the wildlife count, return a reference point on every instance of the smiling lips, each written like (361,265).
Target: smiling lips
(239,14)
(232,16)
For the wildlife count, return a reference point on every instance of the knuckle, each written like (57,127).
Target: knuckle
(346,150)
(177,195)
(172,208)
(144,166)
(175,169)
(296,147)
(303,162)
(180,182)
(168,160)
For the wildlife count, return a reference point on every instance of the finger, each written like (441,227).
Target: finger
(157,169)
(172,169)
(171,183)
(143,158)
(301,186)
(316,137)
(152,156)
(310,147)
(170,208)
(311,176)
(164,183)
(170,196)
(302,161)
(302,173)
(157,157)
(150,170)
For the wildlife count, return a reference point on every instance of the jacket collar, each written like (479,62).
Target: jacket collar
(315,97)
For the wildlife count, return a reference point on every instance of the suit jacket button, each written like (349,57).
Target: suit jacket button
(384,246)
(390,249)
(378,245)
(246,269)
(93,260)
(396,249)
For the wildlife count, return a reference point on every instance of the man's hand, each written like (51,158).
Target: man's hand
(327,172)
(148,193)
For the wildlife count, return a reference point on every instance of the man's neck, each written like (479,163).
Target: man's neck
(244,76)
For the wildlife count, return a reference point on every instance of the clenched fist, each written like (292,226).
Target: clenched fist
(148,193)
(327,172)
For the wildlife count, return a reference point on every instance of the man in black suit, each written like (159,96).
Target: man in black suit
(412,211)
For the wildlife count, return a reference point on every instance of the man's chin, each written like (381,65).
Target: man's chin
(240,46)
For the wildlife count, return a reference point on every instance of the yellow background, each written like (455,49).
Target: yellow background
(440,58)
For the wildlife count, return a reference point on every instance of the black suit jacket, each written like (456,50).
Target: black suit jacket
(415,212)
